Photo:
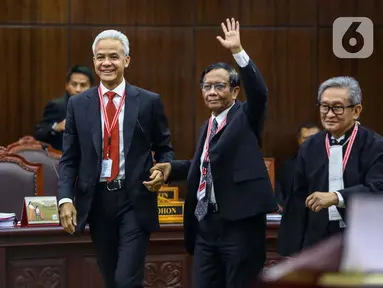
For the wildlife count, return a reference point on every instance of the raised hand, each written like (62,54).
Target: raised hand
(232,39)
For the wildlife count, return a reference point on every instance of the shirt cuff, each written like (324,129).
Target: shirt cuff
(340,200)
(241,58)
(65,200)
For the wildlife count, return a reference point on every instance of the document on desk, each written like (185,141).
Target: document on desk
(363,246)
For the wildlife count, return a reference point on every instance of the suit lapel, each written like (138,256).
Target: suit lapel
(202,138)
(94,116)
(132,105)
(201,141)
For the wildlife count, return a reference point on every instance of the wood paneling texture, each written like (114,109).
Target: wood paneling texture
(171,43)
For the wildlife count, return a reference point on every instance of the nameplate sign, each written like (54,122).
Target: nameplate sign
(168,193)
(40,211)
(171,212)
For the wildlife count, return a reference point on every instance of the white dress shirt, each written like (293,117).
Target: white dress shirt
(340,197)
(242,60)
(119,90)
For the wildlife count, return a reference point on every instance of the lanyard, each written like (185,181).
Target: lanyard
(348,150)
(206,158)
(109,128)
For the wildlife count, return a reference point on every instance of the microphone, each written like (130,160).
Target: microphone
(45,148)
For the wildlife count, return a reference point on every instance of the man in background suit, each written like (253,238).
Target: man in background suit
(51,127)
(229,190)
(110,133)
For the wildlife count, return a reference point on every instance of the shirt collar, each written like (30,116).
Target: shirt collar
(119,90)
(344,137)
(222,116)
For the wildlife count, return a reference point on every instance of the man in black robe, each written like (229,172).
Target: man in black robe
(344,159)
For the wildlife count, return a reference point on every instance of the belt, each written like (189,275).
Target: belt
(112,185)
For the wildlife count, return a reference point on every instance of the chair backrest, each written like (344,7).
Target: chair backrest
(30,143)
(18,179)
(32,150)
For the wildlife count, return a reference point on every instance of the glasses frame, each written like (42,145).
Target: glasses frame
(329,107)
(227,84)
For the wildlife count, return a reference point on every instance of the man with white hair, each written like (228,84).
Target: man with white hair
(332,166)
(110,133)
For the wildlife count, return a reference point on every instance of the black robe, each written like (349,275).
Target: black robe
(301,227)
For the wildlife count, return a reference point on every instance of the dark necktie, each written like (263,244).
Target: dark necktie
(114,153)
(202,205)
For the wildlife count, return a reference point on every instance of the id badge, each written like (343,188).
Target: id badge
(201,190)
(106,168)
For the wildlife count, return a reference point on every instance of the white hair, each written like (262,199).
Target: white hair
(112,34)
(351,84)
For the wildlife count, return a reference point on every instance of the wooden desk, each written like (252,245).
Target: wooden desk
(49,257)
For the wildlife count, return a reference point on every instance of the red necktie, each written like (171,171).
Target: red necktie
(114,153)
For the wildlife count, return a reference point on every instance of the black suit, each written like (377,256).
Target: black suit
(120,221)
(242,188)
(54,111)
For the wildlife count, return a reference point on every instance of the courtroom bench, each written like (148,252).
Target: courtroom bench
(50,257)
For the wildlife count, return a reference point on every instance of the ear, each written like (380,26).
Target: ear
(357,110)
(126,61)
(235,92)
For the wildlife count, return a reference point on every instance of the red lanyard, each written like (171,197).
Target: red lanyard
(109,128)
(348,150)
(206,158)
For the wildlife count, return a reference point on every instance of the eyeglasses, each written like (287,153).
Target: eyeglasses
(336,109)
(219,87)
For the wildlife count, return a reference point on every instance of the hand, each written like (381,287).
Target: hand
(164,167)
(232,40)
(60,127)
(156,181)
(68,217)
(320,200)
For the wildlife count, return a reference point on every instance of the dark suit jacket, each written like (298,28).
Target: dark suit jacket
(54,111)
(145,130)
(241,183)
(284,180)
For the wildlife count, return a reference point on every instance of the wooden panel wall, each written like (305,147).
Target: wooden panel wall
(171,42)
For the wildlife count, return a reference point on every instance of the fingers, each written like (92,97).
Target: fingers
(224,28)
(156,182)
(68,218)
(237,26)
(308,200)
(228,24)
(66,223)
(220,39)
(74,218)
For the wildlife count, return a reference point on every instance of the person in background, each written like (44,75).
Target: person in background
(50,129)
(284,176)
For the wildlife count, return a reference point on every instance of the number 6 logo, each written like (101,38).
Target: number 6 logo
(353,37)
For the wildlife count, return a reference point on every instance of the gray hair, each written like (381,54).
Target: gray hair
(112,34)
(355,93)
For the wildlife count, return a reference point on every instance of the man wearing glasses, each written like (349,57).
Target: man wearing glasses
(344,159)
(229,190)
